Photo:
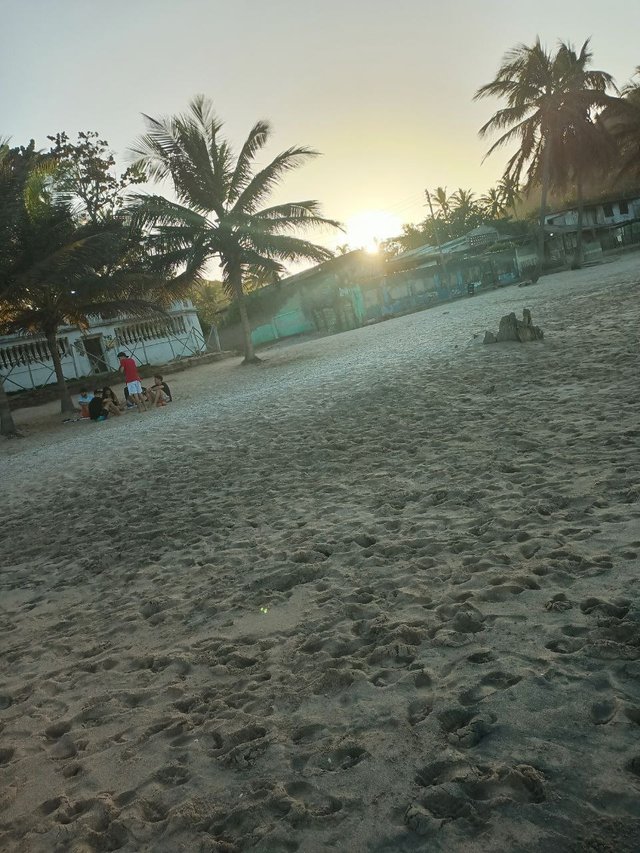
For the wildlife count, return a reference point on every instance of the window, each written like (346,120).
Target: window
(624,207)
(608,210)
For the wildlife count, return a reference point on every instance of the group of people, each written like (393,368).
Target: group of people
(103,402)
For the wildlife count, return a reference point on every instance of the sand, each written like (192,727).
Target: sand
(377,594)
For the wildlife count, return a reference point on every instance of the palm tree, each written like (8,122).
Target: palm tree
(544,94)
(463,201)
(493,203)
(218,212)
(510,192)
(442,201)
(465,213)
(622,119)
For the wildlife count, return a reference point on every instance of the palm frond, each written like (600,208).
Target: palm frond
(257,139)
(263,183)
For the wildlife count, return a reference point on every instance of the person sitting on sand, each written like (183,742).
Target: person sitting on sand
(97,412)
(100,409)
(109,394)
(159,394)
(132,378)
(83,401)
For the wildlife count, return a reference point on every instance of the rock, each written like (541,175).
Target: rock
(512,329)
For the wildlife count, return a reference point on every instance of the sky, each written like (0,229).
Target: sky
(383,88)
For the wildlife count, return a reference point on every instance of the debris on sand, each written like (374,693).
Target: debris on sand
(512,329)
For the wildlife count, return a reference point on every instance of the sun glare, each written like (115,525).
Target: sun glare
(367,229)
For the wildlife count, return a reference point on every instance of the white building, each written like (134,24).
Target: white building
(25,362)
(613,213)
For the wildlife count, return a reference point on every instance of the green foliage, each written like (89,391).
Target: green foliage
(622,120)
(551,100)
(211,300)
(220,210)
(57,269)
(86,175)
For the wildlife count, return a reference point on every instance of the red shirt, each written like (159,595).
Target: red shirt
(130,370)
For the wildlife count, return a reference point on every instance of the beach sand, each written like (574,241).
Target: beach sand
(379,593)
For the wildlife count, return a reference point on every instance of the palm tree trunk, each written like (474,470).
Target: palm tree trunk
(249,355)
(577,258)
(7,425)
(546,157)
(66,403)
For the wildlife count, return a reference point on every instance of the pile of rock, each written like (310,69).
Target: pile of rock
(512,329)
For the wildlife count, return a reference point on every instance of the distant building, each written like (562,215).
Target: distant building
(357,288)
(606,224)
(25,362)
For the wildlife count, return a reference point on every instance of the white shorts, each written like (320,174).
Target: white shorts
(134,387)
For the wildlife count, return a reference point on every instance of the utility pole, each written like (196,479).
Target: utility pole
(445,272)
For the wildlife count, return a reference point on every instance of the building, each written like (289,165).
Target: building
(326,298)
(357,288)
(25,362)
(607,224)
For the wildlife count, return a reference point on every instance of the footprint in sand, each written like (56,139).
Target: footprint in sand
(618,608)
(564,646)
(465,727)
(602,712)
(489,684)
(455,790)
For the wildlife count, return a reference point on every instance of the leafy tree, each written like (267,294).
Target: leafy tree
(86,175)
(57,272)
(17,195)
(210,299)
(219,211)
(544,94)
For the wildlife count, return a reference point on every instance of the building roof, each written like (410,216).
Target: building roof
(467,243)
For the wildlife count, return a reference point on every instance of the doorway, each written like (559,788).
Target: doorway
(95,354)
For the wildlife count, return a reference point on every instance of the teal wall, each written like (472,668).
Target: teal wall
(290,320)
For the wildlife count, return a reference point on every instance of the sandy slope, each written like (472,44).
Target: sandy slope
(444,537)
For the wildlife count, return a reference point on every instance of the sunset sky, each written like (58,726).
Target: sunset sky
(383,89)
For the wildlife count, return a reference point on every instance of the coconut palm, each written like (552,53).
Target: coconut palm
(465,213)
(544,94)
(218,212)
(493,203)
(510,192)
(442,201)
(463,201)
(622,119)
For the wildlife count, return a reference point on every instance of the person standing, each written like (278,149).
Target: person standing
(132,379)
